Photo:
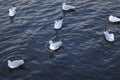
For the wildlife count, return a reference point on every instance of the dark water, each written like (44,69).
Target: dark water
(85,54)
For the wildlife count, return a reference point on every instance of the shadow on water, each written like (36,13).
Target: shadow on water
(115,23)
(11,19)
(111,44)
(52,53)
(67,11)
(56,32)
(22,67)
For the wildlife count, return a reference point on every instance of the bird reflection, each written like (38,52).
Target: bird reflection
(51,55)
(56,33)
(111,44)
(67,11)
(11,19)
(22,67)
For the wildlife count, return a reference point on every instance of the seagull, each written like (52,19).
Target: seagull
(109,36)
(55,45)
(12,11)
(67,7)
(58,24)
(15,63)
(114,19)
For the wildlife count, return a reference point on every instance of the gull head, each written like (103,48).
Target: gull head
(9,61)
(64,3)
(112,35)
(50,42)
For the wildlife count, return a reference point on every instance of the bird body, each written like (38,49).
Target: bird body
(58,24)
(15,63)
(12,11)
(67,7)
(55,45)
(109,36)
(114,19)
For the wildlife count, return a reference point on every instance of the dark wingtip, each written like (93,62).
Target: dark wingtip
(62,40)
(13,5)
(105,29)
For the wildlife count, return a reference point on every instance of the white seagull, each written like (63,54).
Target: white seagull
(55,45)
(58,24)
(12,11)
(114,19)
(15,63)
(67,7)
(109,36)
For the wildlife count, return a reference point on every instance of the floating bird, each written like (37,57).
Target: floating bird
(12,11)
(67,7)
(55,45)
(114,19)
(15,63)
(58,24)
(109,36)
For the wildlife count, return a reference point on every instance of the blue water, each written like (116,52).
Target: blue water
(85,54)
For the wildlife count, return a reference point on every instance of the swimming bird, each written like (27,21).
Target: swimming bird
(55,45)
(109,36)
(58,24)
(12,11)
(114,19)
(67,7)
(15,63)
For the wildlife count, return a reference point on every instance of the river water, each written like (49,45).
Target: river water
(84,55)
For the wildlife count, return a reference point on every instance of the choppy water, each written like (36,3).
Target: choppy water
(85,54)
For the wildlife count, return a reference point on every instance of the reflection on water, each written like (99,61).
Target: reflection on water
(68,11)
(51,55)
(12,19)
(22,67)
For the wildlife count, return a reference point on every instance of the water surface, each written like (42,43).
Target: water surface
(85,54)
